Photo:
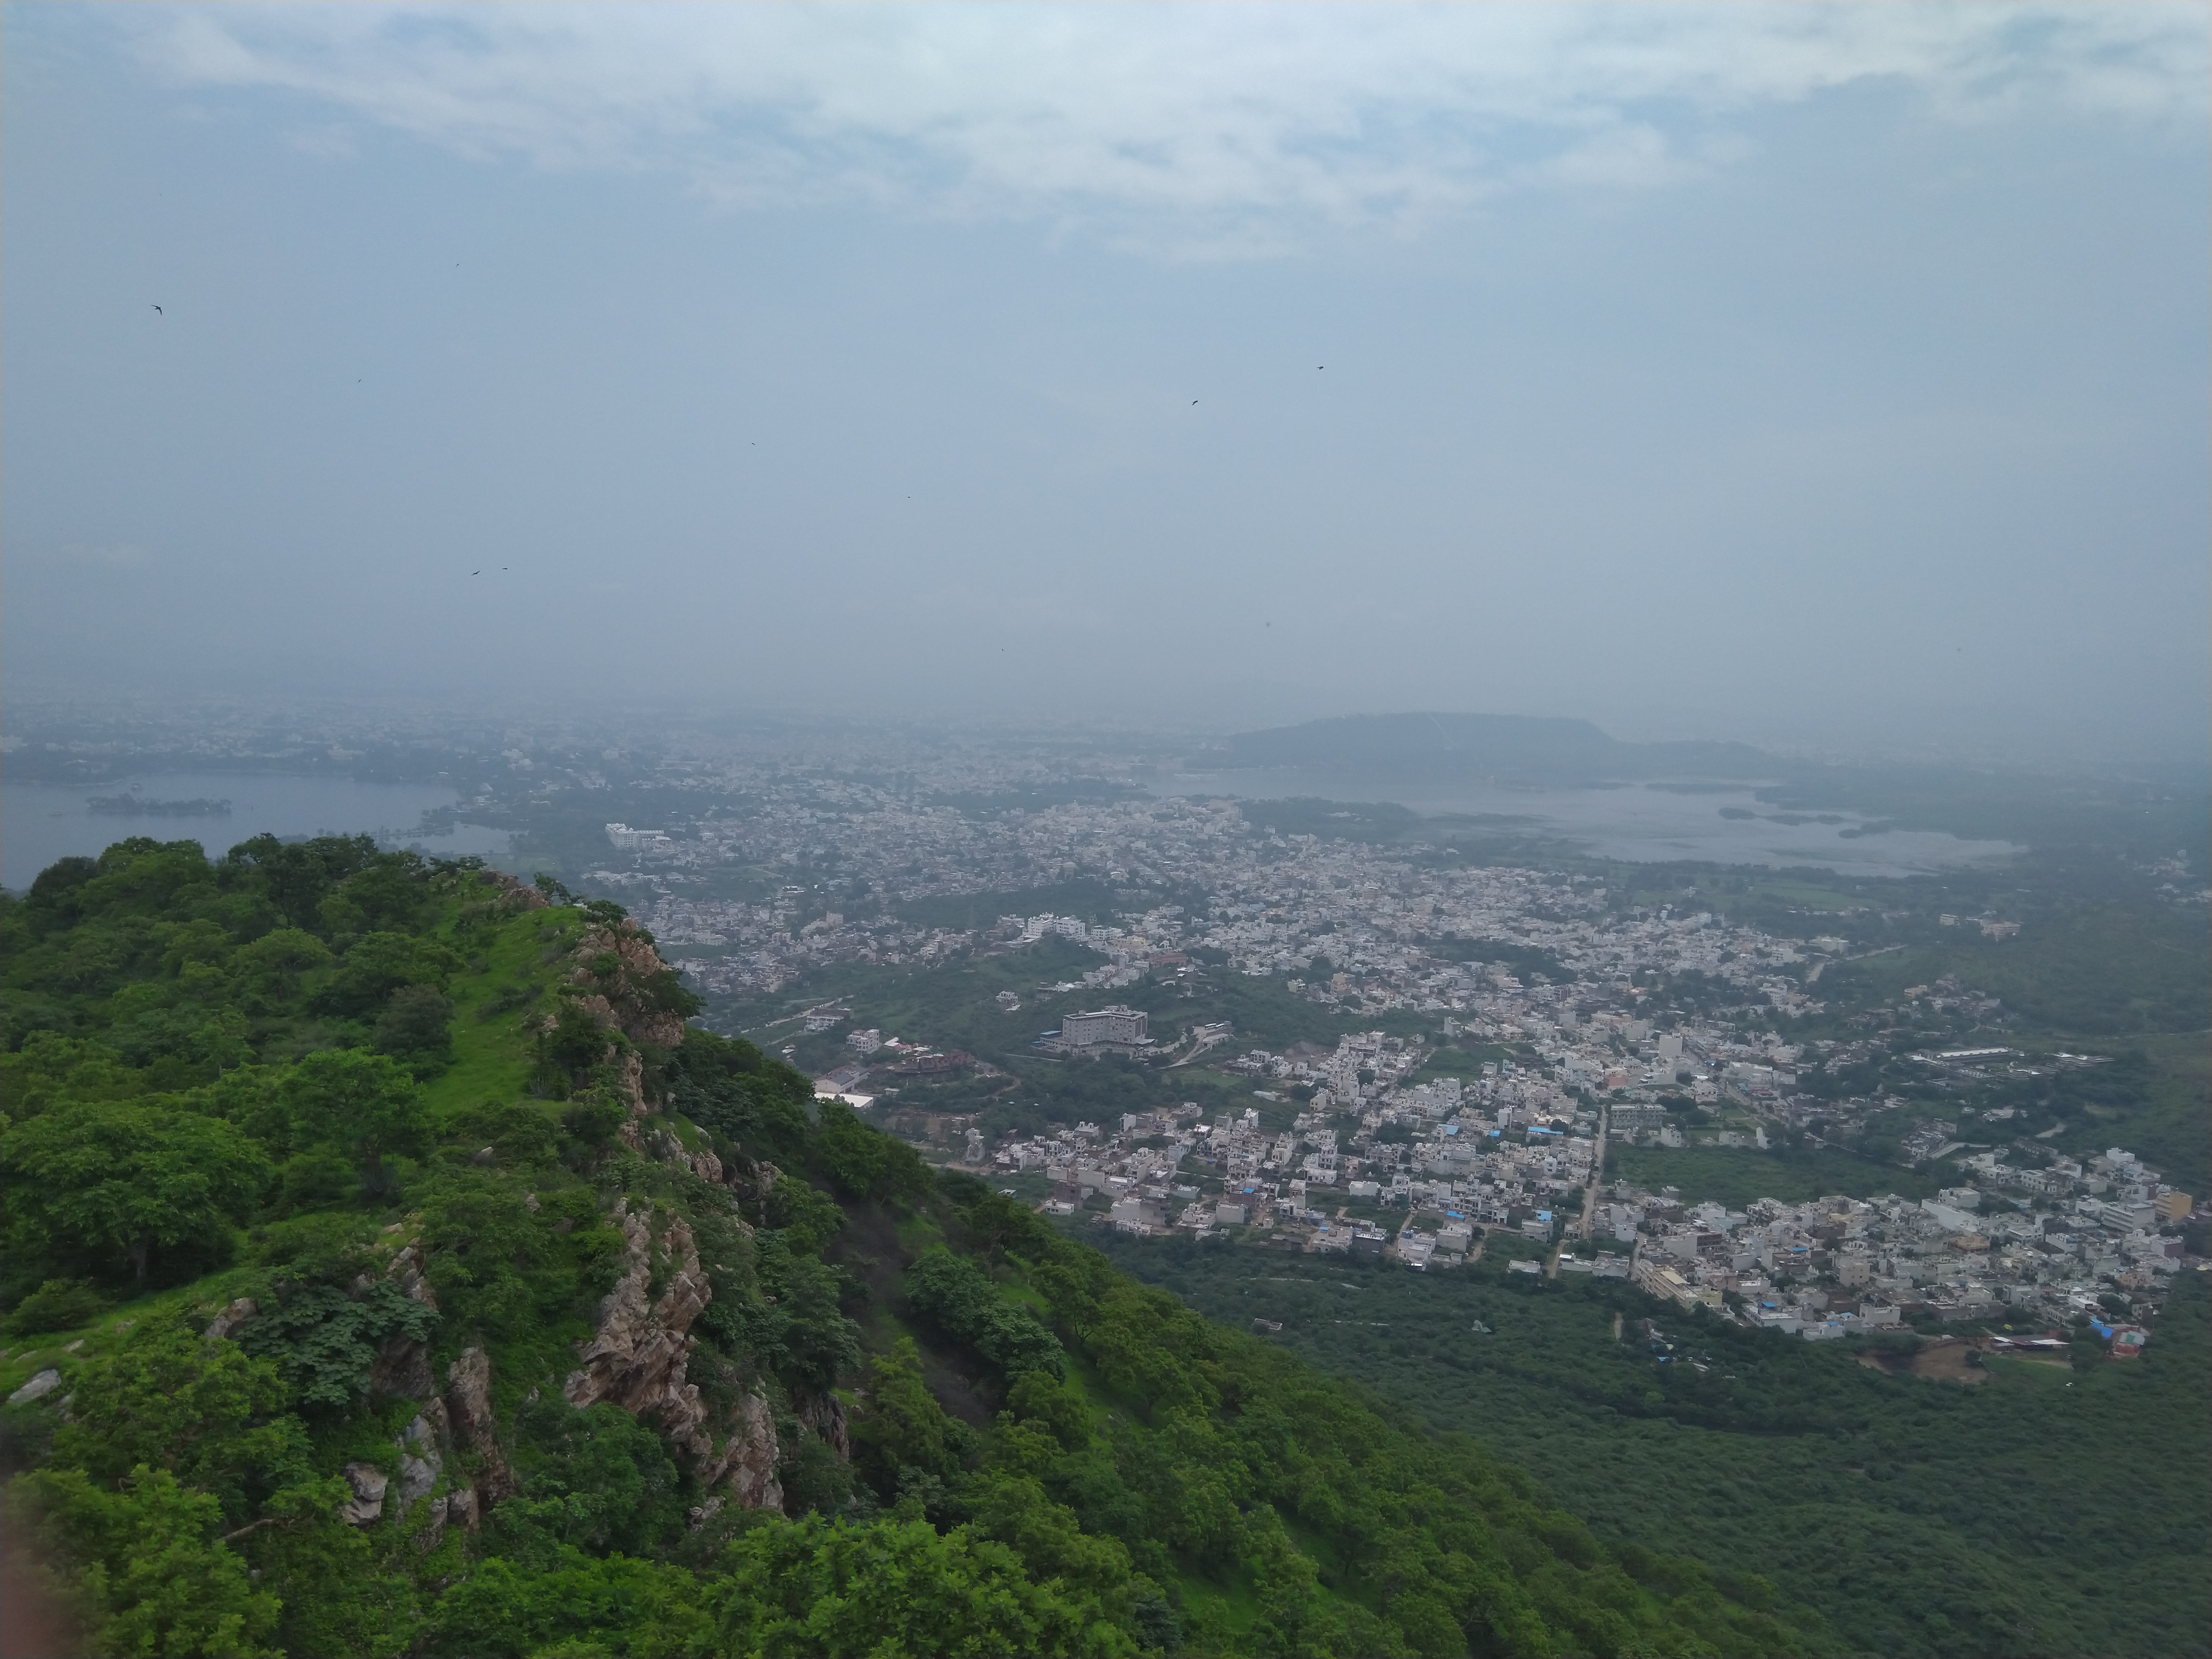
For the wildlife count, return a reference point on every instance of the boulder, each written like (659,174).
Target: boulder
(231,1319)
(38,1388)
(368,1483)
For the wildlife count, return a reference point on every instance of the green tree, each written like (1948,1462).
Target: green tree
(414,1025)
(597,1478)
(297,875)
(325,1340)
(274,968)
(142,1566)
(205,1412)
(813,1587)
(570,1604)
(863,1162)
(337,1604)
(957,1296)
(574,1043)
(903,1427)
(378,963)
(118,1178)
(364,1105)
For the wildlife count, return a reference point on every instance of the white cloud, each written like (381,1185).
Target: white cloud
(1176,126)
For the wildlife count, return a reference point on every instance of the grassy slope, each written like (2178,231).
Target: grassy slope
(491,1060)
(491,1054)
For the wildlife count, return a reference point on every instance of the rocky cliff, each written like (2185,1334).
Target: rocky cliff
(638,1355)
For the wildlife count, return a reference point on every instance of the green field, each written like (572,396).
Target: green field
(1737,1175)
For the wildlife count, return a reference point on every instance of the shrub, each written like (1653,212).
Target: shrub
(59,1304)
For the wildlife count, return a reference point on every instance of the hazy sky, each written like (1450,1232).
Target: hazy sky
(1830,372)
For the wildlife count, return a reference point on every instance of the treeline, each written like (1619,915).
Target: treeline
(325,1167)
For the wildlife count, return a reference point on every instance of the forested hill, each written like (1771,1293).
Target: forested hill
(391,1270)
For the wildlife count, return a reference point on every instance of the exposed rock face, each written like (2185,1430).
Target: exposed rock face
(639,1357)
(623,995)
(747,1459)
(824,1413)
(468,1408)
(631,1083)
(368,1483)
(512,895)
(402,1367)
(462,1508)
(231,1319)
(421,1456)
(421,1446)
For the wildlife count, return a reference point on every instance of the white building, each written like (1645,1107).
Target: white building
(626,839)
(1126,1027)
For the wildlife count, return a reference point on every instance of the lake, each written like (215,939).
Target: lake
(1642,823)
(41,822)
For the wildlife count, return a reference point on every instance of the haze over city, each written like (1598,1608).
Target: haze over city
(1151,832)
(1800,375)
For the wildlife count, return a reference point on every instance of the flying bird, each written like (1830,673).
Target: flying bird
(158,311)
(1194,403)
(476,573)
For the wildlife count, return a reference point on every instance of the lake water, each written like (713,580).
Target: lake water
(41,822)
(1641,823)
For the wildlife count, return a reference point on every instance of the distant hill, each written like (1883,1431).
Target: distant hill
(1509,748)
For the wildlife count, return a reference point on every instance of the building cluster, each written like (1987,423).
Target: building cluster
(1365,929)
(1989,1250)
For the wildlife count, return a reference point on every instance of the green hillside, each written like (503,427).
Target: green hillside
(2045,1510)
(391,1270)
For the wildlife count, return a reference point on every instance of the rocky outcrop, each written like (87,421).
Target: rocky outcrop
(402,1370)
(421,1454)
(463,1510)
(619,980)
(625,997)
(369,1484)
(631,1083)
(468,1410)
(639,1357)
(231,1319)
(423,1445)
(38,1388)
(824,1413)
(662,1144)
(402,1366)
(510,894)
(747,1458)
